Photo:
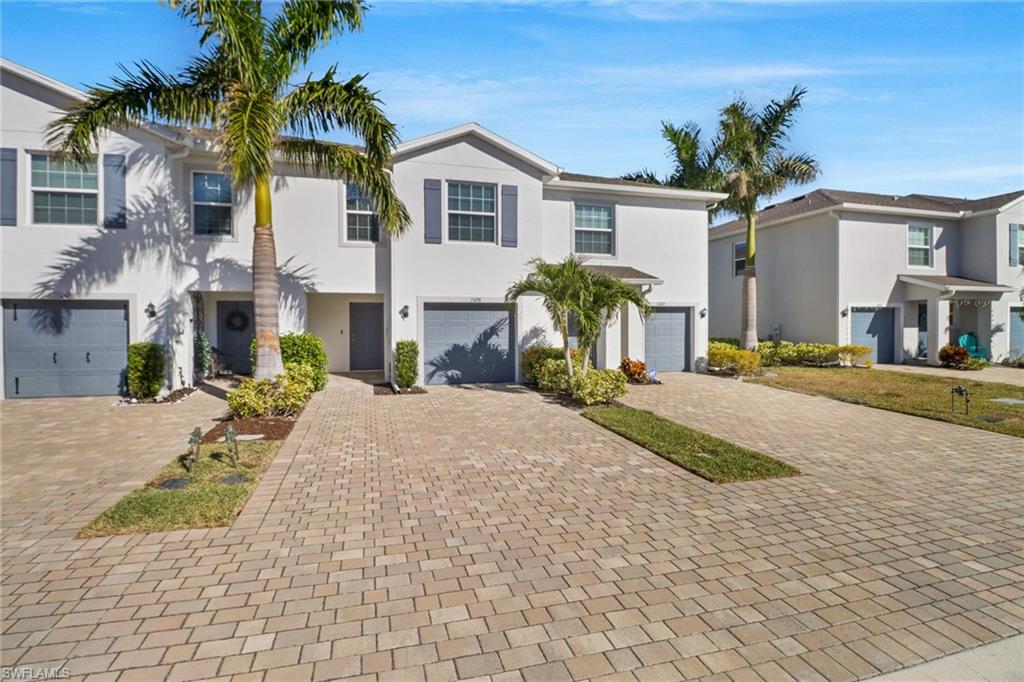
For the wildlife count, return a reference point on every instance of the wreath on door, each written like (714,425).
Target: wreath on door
(236,321)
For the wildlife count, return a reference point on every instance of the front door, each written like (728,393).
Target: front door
(366,336)
(922,330)
(235,331)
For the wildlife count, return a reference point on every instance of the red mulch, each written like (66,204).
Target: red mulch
(272,428)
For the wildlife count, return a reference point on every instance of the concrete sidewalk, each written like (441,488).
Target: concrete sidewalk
(998,662)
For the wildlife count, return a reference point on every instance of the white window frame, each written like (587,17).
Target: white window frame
(1020,243)
(31,190)
(614,230)
(193,203)
(345,211)
(930,247)
(448,212)
(736,260)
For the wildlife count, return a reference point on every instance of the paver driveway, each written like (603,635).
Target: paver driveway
(474,533)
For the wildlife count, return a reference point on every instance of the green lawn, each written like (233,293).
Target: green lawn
(205,503)
(916,394)
(707,456)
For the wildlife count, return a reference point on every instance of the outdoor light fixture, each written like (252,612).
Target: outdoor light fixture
(404,312)
(703,312)
(844,312)
(150,310)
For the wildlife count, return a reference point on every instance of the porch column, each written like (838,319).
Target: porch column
(938,327)
(633,338)
(609,344)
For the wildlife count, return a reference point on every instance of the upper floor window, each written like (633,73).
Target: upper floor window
(1016,245)
(919,245)
(739,258)
(360,218)
(471,212)
(211,203)
(64,192)
(594,228)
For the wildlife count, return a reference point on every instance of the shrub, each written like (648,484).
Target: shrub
(734,360)
(281,396)
(734,343)
(598,386)
(202,352)
(534,357)
(407,363)
(304,349)
(145,369)
(953,356)
(635,371)
(552,376)
(852,355)
(975,364)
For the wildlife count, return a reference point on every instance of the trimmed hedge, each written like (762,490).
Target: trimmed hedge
(407,363)
(303,349)
(534,357)
(598,386)
(281,396)
(725,358)
(776,353)
(146,363)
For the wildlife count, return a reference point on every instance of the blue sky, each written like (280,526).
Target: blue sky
(925,97)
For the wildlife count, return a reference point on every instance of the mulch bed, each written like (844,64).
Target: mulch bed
(172,397)
(385,389)
(272,428)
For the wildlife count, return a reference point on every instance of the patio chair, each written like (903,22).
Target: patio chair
(969,342)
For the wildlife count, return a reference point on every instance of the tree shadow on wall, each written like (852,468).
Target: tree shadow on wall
(477,362)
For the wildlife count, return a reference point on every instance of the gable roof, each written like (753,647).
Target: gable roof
(473,129)
(910,204)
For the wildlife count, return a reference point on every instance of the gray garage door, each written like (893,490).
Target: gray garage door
(468,343)
(1016,332)
(59,348)
(873,327)
(667,340)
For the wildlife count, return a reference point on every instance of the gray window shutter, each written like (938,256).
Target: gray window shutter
(1014,245)
(8,186)
(509,215)
(114,197)
(432,211)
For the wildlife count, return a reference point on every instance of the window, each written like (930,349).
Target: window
(211,203)
(63,192)
(594,228)
(471,212)
(1016,245)
(360,218)
(919,246)
(739,258)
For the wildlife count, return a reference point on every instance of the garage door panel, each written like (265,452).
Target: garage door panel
(667,340)
(63,348)
(468,344)
(1016,332)
(873,327)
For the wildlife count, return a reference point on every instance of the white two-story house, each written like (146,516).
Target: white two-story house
(150,242)
(904,275)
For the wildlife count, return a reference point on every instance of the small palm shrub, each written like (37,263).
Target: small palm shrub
(282,396)
(635,371)
(407,363)
(953,356)
(598,386)
(303,349)
(534,357)
(146,363)
(553,377)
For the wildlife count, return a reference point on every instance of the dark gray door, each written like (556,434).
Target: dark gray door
(366,336)
(63,348)
(235,331)
(873,327)
(468,343)
(922,330)
(667,340)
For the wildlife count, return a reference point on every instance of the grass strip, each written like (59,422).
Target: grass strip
(707,456)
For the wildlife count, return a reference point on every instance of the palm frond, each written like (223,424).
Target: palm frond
(774,121)
(783,170)
(321,105)
(237,28)
(643,175)
(145,93)
(339,161)
(248,128)
(302,26)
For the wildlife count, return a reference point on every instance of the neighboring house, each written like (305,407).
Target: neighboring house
(151,242)
(904,275)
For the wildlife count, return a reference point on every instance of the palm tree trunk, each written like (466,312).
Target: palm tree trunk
(265,292)
(748,334)
(565,344)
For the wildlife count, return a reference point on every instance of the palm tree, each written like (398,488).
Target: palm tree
(757,167)
(747,159)
(563,287)
(240,85)
(605,298)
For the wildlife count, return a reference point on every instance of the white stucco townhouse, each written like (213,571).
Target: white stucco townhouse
(904,275)
(150,242)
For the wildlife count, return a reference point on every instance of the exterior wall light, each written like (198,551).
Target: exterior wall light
(404,312)
(150,310)
(844,312)
(703,313)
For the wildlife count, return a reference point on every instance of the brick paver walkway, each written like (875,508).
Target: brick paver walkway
(489,533)
(999,374)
